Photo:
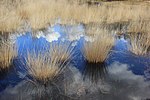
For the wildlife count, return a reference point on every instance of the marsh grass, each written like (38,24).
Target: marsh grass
(98,50)
(40,13)
(140,44)
(43,68)
(139,34)
(139,26)
(8,52)
(45,71)
(63,51)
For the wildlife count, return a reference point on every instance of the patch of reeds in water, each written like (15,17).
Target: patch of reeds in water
(63,51)
(140,44)
(98,50)
(8,52)
(46,69)
(41,68)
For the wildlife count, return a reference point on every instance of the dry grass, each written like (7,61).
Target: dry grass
(43,68)
(139,37)
(140,43)
(8,52)
(9,21)
(62,51)
(141,26)
(41,13)
(98,50)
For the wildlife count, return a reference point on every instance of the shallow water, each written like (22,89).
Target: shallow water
(123,76)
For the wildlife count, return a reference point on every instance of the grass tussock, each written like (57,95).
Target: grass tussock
(140,43)
(63,51)
(139,26)
(43,68)
(139,37)
(98,50)
(8,52)
(41,13)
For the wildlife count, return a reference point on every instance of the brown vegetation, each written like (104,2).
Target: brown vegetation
(62,51)
(41,13)
(42,68)
(139,34)
(98,50)
(140,44)
(8,52)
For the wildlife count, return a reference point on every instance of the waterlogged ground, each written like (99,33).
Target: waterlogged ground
(123,76)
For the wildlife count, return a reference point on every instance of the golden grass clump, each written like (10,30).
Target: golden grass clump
(44,68)
(140,43)
(139,37)
(139,26)
(98,50)
(7,26)
(8,52)
(62,50)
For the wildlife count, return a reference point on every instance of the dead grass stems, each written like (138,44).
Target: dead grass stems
(140,44)
(63,51)
(8,52)
(41,68)
(41,13)
(98,50)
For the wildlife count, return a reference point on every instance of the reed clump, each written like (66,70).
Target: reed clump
(40,13)
(139,26)
(140,44)
(139,37)
(8,52)
(98,50)
(43,68)
(63,51)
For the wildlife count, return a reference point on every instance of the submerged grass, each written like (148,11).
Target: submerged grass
(98,50)
(8,52)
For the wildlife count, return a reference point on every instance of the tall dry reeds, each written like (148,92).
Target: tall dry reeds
(98,50)
(47,67)
(63,51)
(43,68)
(41,13)
(139,37)
(140,44)
(139,26)
(8,52)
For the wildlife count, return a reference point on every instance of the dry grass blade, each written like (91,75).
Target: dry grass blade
(43,68)
(141,26)
(140,43)
(62,50)
(98,50)
(8,52)
(41,13)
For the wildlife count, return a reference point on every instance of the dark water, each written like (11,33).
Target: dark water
(123,76)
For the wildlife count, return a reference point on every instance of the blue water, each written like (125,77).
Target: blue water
(26,43)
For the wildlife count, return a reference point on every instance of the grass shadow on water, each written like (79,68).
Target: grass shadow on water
(95,71)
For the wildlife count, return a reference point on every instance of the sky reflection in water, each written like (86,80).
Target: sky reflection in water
(120,78)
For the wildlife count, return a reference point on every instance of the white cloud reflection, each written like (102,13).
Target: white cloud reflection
(50,37)
(121,84)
